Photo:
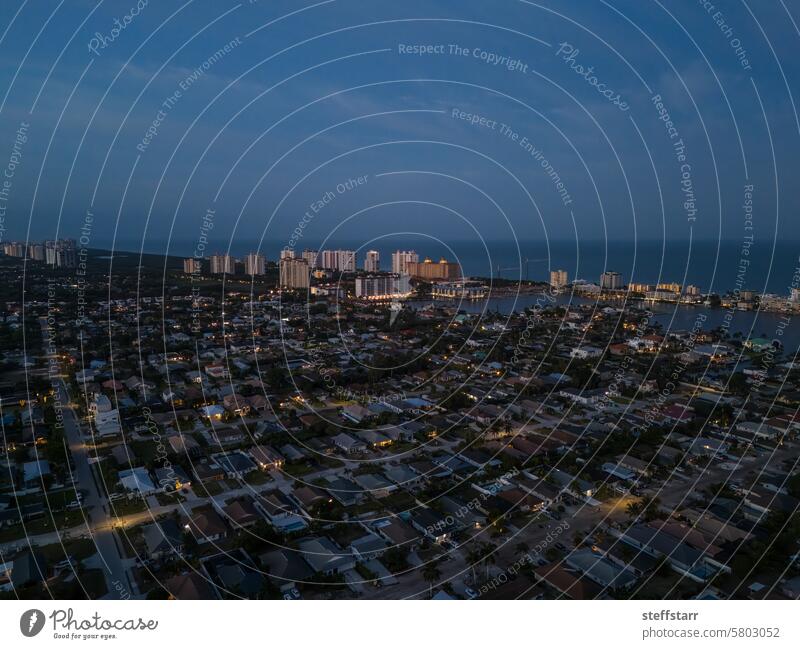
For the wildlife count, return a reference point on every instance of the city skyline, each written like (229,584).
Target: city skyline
(348,301)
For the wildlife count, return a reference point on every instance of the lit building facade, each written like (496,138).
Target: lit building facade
(191,266)
(255,264)
(460,290)
(431,271)
(372,262)
(339,260)
(401,259)
(558,279)
(294,273)
(312,257)
(611,281)
(222,264)
(382,287)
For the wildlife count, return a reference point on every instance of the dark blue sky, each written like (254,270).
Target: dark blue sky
(325,94)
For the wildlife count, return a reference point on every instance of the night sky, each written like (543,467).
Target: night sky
(581,120)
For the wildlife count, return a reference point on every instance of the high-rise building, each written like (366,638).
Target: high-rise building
(50,252)
(401,259)
(747,295)
(637,287)
(66,254)
(672,287)
(61,253)
(372,262)
(611,280)
(288,253)
(341,260)
(311,256)
(14,249)
(429,270)
(558,279)
(36,251)
(294,273)
(192,266)
(222,264)
(383,287)
(255,264)
(691,289)
(66,258)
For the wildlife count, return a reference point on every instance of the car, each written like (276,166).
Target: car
(561,546)
(471,593)
(292,593)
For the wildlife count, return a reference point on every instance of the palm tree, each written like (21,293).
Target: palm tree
(473,558)
(634,509)
(487,551)
(431,573)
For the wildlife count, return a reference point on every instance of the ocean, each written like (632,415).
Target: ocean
(715,267)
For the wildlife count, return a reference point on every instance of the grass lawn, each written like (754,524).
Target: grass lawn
(125,506)
(89,583)
(258,478)
(344,535)
(296,469)
(399,501)
(79,549)
(169,499)
(43,525)
(208,488)
(365,572)
(656,587)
